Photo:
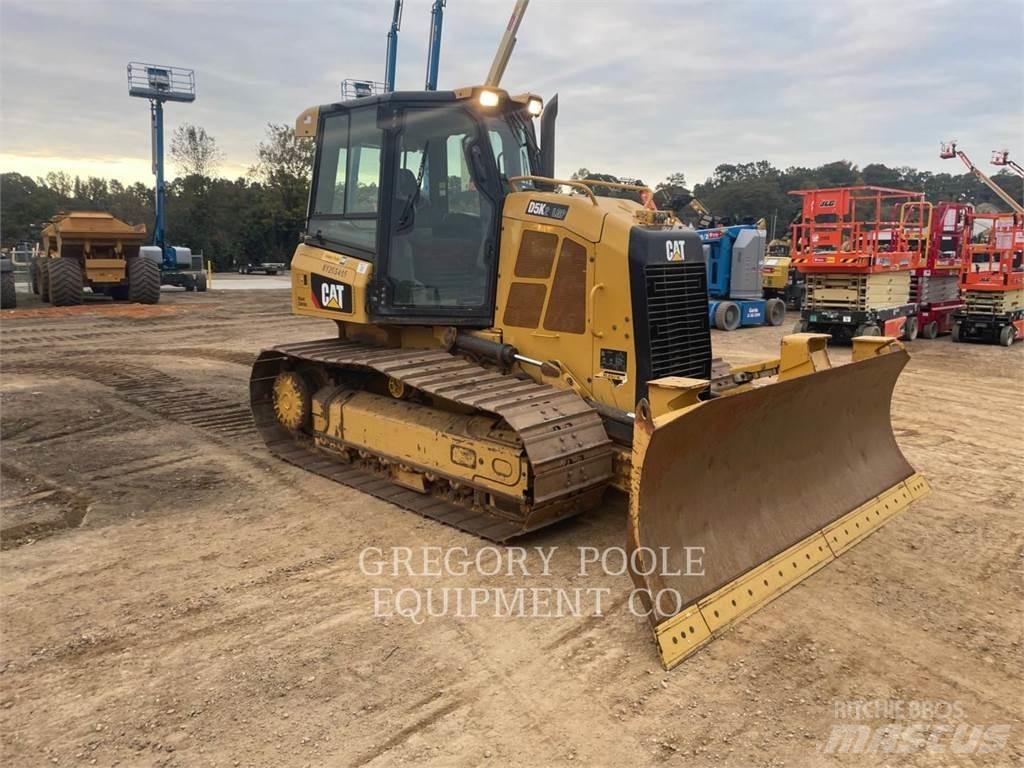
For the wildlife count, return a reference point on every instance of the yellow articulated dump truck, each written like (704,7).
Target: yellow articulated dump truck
(95,250)
(511,348)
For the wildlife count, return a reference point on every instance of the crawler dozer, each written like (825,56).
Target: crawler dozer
(508,352)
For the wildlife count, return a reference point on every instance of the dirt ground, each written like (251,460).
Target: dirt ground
(174,596)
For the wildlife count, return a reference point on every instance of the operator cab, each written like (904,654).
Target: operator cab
(413,182)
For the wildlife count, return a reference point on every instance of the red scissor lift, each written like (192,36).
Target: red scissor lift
(992,279)
(860,248)
(935,287)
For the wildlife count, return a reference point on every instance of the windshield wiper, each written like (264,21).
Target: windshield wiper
(405,220)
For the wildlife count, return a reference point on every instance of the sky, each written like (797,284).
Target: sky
(645,88)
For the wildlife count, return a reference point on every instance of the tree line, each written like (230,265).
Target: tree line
(257,217)
(751,191)
(260,216)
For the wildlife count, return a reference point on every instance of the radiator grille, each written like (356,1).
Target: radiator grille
(677,320)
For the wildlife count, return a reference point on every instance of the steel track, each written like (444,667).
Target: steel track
(564,439)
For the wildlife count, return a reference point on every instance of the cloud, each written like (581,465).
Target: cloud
(646,88)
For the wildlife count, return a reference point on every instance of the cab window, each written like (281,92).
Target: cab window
(510,147)
(441,222)
(347,183)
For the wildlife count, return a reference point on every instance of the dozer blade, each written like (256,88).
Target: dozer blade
(736,499)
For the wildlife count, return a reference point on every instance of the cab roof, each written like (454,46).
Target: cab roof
(305,124)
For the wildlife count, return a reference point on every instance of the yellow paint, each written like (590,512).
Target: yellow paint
(104,270)
(418,438)
(309,260)
(306,123)
(776,273)
(803,353)
(673,393)
(759,586)
(871,346)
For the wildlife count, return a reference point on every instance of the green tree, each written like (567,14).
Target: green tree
(261,217)
(880,175)
(284,168)
(58,182)
(194,151)
(24,206)
(602,191)
(841,173)
(672,193)
(746,192)
(283,154)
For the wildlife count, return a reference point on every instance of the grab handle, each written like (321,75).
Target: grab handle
(590,310)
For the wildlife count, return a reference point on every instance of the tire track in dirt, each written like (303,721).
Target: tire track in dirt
(22,341)
(403,734)
(74,431)
(225,422)
(537,714)
(238,357)
(141,465)
(156,392)
(71,503)
(8,432)
(176,624)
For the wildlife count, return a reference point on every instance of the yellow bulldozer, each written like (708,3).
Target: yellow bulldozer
(94,249)
(511,347)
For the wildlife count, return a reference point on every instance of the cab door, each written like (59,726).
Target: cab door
(441,208)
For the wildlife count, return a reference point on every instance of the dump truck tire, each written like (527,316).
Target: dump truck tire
(44,279)
(66,282)
(727,316)
(1007,335)
(143,281)
(775,310)
(8,291)
(930,330)
(910,328)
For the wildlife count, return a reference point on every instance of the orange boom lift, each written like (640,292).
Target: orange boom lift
(1001,157)
(992,276)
